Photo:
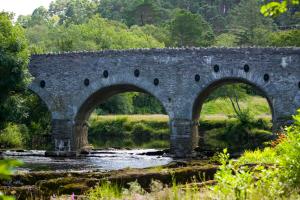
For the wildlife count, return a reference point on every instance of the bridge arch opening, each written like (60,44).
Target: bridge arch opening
(234,114)
(122,116)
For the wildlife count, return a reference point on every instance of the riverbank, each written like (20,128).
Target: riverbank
(46,184)
(152,131)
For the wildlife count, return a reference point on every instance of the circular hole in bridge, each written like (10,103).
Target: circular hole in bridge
(42,84)
(246,68)
(197,77)
(136,73)
(156,81)
(86,82)
(266,77)
(105,73)
(216,68)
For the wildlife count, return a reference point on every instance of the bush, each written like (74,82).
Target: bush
(279,179)
(136,130)
(141,132)
(13,136)
(159,144)
(108,127)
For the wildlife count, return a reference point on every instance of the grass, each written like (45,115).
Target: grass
(222,107)
(248,178)
(218,109)
(217,123)
(131,118)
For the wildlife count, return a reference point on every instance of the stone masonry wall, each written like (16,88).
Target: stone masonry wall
(72,84)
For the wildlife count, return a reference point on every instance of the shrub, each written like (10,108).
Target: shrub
(159,144)
(141,132)
(280,180)
(108,127)
(13,136)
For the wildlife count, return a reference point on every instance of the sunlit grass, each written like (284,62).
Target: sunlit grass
(219,109)
(265,156)
(131,118)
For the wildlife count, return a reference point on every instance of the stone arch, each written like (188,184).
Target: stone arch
(80,128)
(117,83)
(104,93)
(211,86)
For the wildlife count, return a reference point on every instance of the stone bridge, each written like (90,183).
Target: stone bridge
(73,84)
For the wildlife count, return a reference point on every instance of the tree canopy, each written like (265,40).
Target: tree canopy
(13,60)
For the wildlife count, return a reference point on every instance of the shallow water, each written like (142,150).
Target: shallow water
(103,160)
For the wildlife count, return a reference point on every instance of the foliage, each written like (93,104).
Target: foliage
(13,61)
(275,8)
(189,29)
(281,180)
(144,103)
(226,40)
(73,11)
(13,136)
(157,191)
(131,103)
(144,12)
(285,38)
(160,33)
(6,170)
(138,131)
(118,104)
(245,19)
(105,191)
(96,34)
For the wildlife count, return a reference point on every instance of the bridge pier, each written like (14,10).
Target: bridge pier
(68,138)
(61,134)
(184,137)
(80,136)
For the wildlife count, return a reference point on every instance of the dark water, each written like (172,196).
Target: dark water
(103,160)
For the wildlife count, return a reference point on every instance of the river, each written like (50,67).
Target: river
(99,160)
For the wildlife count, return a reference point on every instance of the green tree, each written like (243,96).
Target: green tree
(97,34)
(39,16)
(118,104)
(146,104)
(244,21)
(188,29)
(160,33)
(145,12)
(275,8)
(226,40)
(285,38)
(13,61)
(73,11)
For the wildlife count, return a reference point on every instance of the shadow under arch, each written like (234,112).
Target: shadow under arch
(202,96)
